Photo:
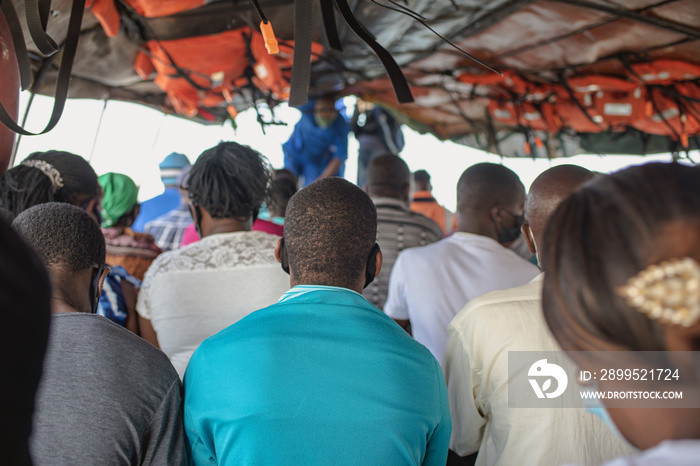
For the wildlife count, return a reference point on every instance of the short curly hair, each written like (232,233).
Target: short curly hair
(63,236)
(230,181)
(329,231)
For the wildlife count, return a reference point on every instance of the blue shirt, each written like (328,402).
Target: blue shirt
(321,377)
(157,206)
(311,148)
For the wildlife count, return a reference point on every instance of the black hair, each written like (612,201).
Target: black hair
(329,232)
(606,232)
(421,176)
(387,176)
(62,235)
(23,187)
(282,189)
(26,312)
(485,185)
(229,181)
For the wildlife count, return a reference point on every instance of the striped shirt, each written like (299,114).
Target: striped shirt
(397,229)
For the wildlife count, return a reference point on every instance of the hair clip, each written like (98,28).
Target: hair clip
(668,292)
(48,170)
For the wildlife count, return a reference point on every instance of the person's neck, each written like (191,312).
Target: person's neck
(61,306)
(70,292)
(357,287)
(226,225)
(476,227)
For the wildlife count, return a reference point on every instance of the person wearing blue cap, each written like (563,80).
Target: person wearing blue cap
(151,209)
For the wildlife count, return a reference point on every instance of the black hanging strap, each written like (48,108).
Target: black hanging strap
(398,80)
(64,74)
(301,67)
(37,13)
(25,68)
(330,26)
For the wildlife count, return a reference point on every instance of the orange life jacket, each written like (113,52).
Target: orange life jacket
(611,101)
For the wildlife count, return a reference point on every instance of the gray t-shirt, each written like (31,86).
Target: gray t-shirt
(106,397)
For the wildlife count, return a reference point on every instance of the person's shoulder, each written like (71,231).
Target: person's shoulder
(114,341)
(237,333)
(427,224)
(499,305)
(167,261)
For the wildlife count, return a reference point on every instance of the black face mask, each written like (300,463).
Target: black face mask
(510,234)
(95,289)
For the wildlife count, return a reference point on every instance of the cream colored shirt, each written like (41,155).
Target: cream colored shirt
(192,293)
(476,370)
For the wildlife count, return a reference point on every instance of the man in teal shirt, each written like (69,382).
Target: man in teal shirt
(323,376)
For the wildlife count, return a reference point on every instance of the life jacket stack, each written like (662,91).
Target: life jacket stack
(205,71)
(660,97)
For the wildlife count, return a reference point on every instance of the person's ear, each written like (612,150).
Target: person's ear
(495,214)
(281,255)
(278,250)
(378,262)
(103,276)
(529,238)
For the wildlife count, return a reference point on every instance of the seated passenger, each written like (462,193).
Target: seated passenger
(638,292)
(477,367)
(51,176)
(170,170)
(424,203)
(106,396)
(192,293)
(25,295)
(271,216)
(282,187)
(125,247)
(169,229)
(389,185)
(64,177)
(321,377)
(430,284)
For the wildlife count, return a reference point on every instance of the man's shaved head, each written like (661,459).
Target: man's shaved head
(388,176)
(329,231)
(485,185)
(548,190)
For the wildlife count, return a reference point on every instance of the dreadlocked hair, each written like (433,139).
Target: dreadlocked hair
(23,186)
(230,181)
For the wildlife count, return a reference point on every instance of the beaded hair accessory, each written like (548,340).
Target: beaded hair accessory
(48,170)
(668,292)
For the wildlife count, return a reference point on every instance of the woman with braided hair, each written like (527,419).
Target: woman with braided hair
(58,176)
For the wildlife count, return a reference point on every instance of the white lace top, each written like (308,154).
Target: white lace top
(194,292)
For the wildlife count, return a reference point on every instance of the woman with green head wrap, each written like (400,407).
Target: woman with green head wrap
(133,251)
(119,200)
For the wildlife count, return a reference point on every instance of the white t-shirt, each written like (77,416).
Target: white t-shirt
(192,293)
(670,452)
(430,284)
(476,369)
